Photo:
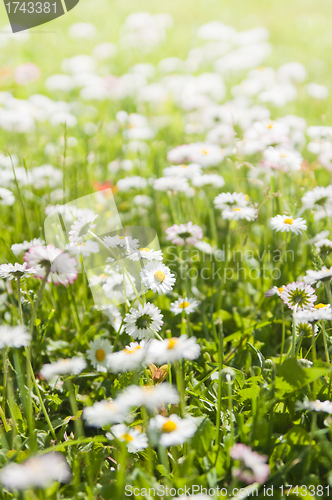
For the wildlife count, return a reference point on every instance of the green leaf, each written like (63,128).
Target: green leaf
(291,377)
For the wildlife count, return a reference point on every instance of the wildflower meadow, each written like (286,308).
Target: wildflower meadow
(166,252)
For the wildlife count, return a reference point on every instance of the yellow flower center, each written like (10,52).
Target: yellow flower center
(172,343)
(184,166)
(183,305)
(132,349)
(127,437)
(169,426)
(320,306)
(280,289)
(270,125)
(160,276)
(204,152)
(282,155)
(236,209)
(288,221)
(100,354)
(246,197)
(144,249)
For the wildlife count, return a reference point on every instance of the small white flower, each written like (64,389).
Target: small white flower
(144,322)
(171,183)
(18,248)
(6,197)
(14,336)
(105,412)
(253,465)
(134,439)
(214,180)
(58,265)
(287,223)
(298,295)
(157,277)
(173,349)
(98,352)
(282,159)
(86,248)
(133,182)
(63,367)
(81,226)
(275,290)
(126,242)
(324,406)
(152,396)
(187,171)
(173,430)
(186,305)
(146,254)
(317,313)
(324,245)
(239,213)
(323,274)
(131,358)
(10,271)
(181,234)
(227,200)
(36,472)
(319,196)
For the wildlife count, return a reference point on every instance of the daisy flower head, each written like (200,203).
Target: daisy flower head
(317,405)
(171,183)
(228,200)
(16,271)
(106,412)
(153,397)
(304,329)
(239,213)
(318,197)
(18,248)
(323,246)
(131,358)
(85,248)
(98,352)
(127,243)
(157,277)
(288,223)
(184,305)
(14,336)
(173,349)
(172,430)
(6,197)
(82,226)
(275,290)
(282,159)
(142,323)
(253,466)
(69,366)
(323,274)
(181,234)
(135,440)
(298,295)
(145,254)
(36,472)
(58,266)
(317,313)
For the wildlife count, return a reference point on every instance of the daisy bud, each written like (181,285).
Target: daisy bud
(158,374)
(227,374)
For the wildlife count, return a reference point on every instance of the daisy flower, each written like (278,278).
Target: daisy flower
(282,159)
(239,213)
(63,367)
(105,412)
(324,406)
(171,183)
(227,200)
(143,322)
(134,439)
(6,197)
(18,248)
(275,290)
(119,287)
(131,358)
(181,234)
(298,295)
(186,305)
(98,352)
(304,329)
(253,466)
(157,277)
(58,266)
(152,396)
(124,242)
(82,226)
(321,196)
(85,248)
(172,430)
(324,246)
(188,171)
(36,472)
(10,271)
(146,254)
(317,313)
(287,223)
(323,274)
(174,349)
(214,180)
(14,336)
